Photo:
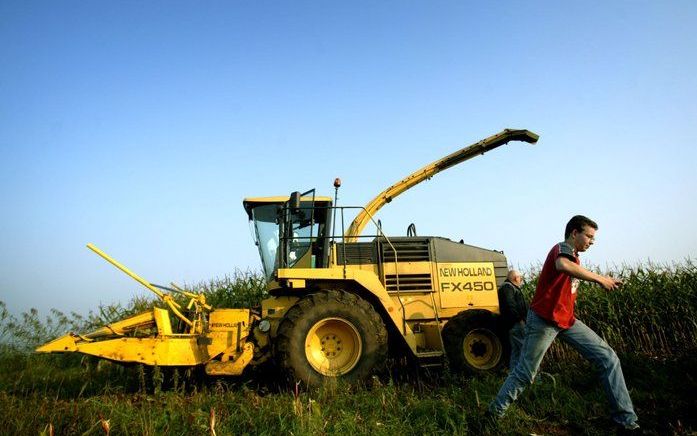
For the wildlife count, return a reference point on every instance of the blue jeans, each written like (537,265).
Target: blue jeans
(539,335)
(515,336)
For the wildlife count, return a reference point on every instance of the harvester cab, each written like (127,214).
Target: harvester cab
(290,231)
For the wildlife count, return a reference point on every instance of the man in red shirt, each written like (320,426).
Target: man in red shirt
(551,314)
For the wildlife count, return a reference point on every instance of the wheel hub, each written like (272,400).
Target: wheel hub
(333,346)
(478,348)
(482,349)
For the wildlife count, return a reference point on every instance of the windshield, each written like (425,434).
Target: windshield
(290,238)
(266,229)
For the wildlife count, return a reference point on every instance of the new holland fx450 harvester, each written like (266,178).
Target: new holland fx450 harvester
(337,298)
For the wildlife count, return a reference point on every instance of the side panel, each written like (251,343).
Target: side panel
(447,251)
(438,278)
(466,284)
(467,277)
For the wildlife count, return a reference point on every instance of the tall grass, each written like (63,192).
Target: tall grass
(654,312)
(241,289)
(25,332)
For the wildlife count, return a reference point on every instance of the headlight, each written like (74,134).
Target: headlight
(264,325)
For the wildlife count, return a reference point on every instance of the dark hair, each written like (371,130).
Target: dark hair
(578,222)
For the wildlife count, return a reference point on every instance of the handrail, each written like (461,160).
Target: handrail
(396,270)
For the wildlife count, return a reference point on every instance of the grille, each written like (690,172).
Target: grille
(357,253)
(408,282)
(407,251)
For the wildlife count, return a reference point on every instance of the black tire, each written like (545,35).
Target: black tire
(475,343)
(330,335)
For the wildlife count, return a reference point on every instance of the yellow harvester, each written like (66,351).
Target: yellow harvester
(337,298)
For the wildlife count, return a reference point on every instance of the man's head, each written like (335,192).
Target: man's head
(580,232)
(515,277)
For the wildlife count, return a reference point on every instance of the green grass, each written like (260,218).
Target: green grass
(38,391)
(650,322)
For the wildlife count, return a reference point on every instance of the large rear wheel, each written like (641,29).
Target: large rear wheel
(474,342)
(329,335)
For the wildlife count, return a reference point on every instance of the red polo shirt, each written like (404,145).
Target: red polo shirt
(556,291)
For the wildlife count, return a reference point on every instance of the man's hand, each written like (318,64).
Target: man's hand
(608,283)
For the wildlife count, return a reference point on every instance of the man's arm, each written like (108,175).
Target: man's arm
(571,268)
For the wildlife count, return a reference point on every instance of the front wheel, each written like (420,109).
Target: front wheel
(329,335)
(474,343)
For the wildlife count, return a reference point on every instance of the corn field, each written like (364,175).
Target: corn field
(654,312)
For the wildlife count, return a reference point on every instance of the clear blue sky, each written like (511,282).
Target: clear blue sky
(141,126)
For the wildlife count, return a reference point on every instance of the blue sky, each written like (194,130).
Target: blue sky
(141,126)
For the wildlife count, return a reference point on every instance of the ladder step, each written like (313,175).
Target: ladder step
(427,354)
(430,365)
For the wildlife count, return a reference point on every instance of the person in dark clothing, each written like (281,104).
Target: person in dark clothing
(514,309)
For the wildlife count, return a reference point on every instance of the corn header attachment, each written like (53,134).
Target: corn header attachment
(216,338)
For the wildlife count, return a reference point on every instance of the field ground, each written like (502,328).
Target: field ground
(38,391)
